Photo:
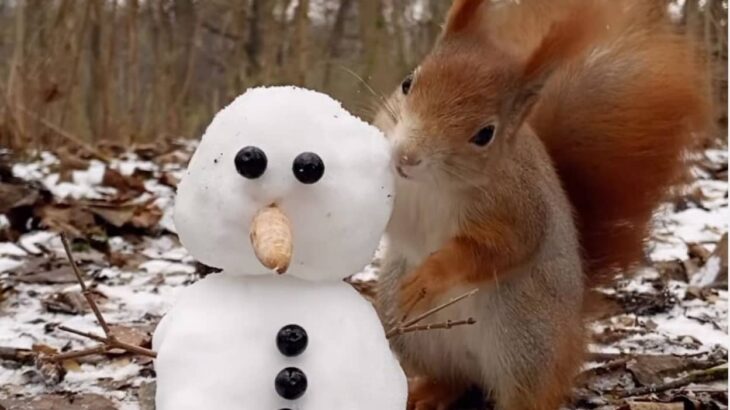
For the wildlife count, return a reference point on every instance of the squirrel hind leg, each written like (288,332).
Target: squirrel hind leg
(425,393)
(544,388)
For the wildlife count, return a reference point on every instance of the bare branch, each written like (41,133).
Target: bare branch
(84,289)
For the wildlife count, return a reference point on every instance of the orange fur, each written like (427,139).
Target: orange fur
(594,103)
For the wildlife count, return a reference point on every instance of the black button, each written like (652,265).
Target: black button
(291,383)
(292,340)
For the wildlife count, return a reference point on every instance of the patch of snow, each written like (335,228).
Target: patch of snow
(11,249)
(166,267)
(708,273)
(7,264)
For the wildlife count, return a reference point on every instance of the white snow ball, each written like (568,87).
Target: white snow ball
(328,171)
(217,347)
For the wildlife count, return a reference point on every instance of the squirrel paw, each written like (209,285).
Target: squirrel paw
(426,394)
(419,290)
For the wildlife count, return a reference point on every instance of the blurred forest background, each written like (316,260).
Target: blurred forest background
(137,70)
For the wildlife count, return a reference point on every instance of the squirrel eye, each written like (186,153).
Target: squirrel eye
(405,86)
(484,136)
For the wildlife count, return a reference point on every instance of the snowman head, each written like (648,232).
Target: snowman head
(286,181)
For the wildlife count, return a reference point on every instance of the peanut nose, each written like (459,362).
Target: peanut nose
(271,238)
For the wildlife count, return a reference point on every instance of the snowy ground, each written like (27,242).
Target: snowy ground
(668,322)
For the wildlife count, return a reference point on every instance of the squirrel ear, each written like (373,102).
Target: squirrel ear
(565,39)
(462,15)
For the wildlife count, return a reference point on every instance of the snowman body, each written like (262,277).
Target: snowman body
(347,361)
(278,328)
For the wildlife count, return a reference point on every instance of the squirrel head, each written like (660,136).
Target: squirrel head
(461,110)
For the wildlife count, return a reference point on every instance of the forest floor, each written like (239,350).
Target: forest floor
(665,340)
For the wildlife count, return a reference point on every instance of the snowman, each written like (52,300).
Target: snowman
(288,193)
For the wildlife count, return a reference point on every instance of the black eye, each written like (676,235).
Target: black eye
(405,86)
(251,162)
(308,167)
(484,136)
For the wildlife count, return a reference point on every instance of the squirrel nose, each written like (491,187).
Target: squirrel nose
(405,163)
(406,160)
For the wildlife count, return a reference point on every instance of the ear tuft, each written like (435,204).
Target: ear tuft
(462,14)
(564,40)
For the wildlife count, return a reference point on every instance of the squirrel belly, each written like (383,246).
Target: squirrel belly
(529,167)
(528,332)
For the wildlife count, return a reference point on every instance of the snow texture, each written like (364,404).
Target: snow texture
(336,222)
(684,324)
(225,326)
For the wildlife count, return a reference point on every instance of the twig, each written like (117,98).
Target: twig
(83,334)
(65,134)
(410,326)
(711,374)
(99,349)
(85,291)
(17,354)
(431,326)
(108,341)
(439,308)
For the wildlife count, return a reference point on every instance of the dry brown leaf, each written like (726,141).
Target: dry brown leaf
(654,406)
(71,303)
(60,402)
(651,369)
(62,274)
(125,185)
(17,195)
(146,217)
(115,215)
(70,218)
(132,335)
(70,161)
(169,180)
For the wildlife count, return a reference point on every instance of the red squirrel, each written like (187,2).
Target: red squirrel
(532,146)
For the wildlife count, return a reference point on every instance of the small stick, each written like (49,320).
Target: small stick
(65,134)
(714,373)
(402,325)
(80,333)
(85,291)
(100,349)
(439,308)
(431,326)
(108,341)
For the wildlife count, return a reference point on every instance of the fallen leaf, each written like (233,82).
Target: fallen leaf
(63,274)
(115,215)
(169,180)
(14,196)
(146,217)
(654,406)
(72,303)
(127,186)
(650,369)
(132,335)
(73,401)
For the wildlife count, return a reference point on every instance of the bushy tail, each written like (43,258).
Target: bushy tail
(617,122)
